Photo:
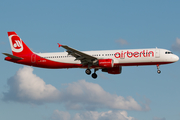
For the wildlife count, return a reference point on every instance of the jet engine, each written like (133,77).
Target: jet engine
(114,70)
(108,63)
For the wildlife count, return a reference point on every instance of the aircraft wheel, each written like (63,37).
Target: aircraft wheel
(158,71)
(88,71)
(94,75)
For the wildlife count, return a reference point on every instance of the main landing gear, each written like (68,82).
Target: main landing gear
(158,71)
(88,72)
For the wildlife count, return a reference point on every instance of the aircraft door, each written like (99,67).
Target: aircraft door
(157,54)
(33,58)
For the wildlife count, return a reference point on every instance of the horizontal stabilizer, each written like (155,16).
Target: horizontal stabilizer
(12,56)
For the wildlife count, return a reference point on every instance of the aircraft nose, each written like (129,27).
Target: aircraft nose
(176,58)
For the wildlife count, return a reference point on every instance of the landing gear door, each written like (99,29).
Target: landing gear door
(157,54)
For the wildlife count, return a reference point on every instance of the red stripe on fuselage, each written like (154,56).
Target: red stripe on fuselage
(45,63)
(38,61)
(139,64)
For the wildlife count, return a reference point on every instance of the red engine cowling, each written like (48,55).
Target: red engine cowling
(106,63)
(114,70)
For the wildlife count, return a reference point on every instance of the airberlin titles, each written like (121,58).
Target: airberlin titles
(136,54)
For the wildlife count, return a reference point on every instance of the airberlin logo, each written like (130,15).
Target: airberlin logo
(136,54)
(16,43)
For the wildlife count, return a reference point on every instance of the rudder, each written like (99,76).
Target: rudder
(18,47)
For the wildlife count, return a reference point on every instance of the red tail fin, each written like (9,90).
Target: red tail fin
(18,47)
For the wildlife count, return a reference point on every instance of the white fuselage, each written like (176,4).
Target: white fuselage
(120,57)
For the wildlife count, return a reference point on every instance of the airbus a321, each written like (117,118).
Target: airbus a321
(110,61)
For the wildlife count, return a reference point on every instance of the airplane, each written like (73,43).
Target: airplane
(110,61)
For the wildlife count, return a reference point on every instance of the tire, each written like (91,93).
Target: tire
(158,71)
(94,75)
(88,71)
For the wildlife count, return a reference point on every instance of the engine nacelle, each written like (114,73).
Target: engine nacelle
(114,70)
(105,63)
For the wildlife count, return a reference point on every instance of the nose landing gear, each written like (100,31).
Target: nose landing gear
(158,71)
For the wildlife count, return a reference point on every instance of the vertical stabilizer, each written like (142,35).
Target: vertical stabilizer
(18,47)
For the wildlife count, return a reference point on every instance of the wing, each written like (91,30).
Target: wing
(83,57)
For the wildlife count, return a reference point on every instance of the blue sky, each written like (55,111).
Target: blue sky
(139,93)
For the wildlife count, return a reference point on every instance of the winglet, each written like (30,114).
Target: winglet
(59,45)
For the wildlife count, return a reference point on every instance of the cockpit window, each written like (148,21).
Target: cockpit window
(168,52)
